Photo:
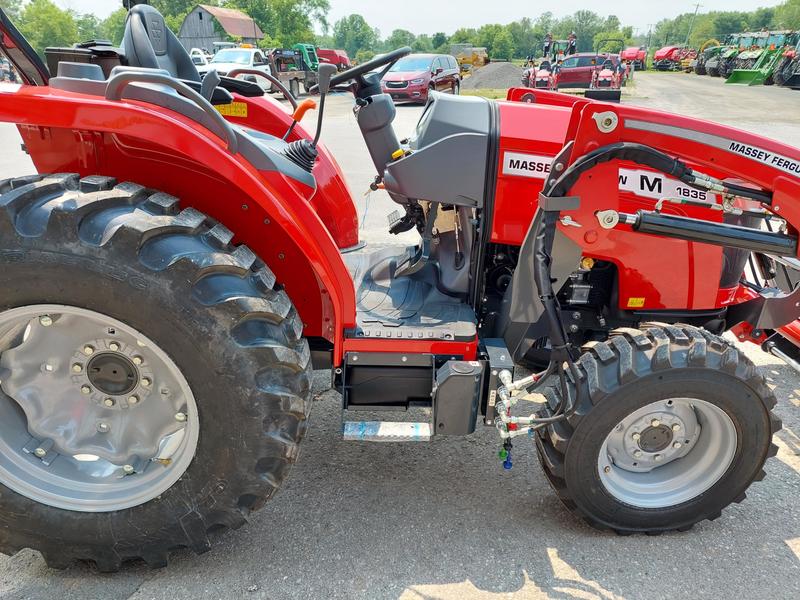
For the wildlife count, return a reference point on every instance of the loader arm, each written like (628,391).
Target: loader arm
(743,165)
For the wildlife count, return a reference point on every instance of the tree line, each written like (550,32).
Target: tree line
(286,22)
(717,24)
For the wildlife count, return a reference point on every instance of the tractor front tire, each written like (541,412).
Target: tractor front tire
(672,425)
(108,279)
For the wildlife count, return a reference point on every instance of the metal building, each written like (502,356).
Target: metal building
(208,24)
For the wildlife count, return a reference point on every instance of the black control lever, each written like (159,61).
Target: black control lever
(302,152)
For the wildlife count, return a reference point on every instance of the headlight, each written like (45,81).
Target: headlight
(417,81)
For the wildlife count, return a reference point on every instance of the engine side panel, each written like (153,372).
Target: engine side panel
(653,273)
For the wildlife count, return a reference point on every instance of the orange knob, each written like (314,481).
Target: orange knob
(305,106)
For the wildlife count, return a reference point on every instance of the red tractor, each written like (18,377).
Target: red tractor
(607,81)
(182,261)
(636,56)
(543,76)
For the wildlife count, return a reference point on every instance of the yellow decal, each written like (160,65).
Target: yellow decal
(234,109)
(635,302)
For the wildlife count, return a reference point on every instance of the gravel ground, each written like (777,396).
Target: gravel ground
(444,520)
(494,76)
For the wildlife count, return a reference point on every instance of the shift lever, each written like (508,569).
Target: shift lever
(302,152)
(326,71)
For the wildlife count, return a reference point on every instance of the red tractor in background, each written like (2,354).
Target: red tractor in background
(184,258)
(541,76)
(609,75)
(338,58)
(671,58)
(636,56)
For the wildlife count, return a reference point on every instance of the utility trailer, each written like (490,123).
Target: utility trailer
(185,255)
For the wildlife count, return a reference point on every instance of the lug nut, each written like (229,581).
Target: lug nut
(88,350)
(676,427)
(48,367)
(133,400)
(40,452)
(677,445)
(128,469)
(114,346)
(638,454)
(655,423)
(636,436)
(180,417)
(86,389)
(109,402)
(657,457)
(137,360)
(103,427)
(606,469)
(146,381)
(77,368)
(45,320)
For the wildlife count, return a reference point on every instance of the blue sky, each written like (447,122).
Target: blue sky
(426,16)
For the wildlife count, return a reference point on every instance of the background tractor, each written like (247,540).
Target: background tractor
(788,63)
(636,56)
(673,58)
(719,59)
(187,252)
(707,50)
(768,60)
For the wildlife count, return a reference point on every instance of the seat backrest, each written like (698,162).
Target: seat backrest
(149,43)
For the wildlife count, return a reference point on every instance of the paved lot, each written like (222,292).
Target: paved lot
(443,520)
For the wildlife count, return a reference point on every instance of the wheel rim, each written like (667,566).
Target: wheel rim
(94,416)
(667,453)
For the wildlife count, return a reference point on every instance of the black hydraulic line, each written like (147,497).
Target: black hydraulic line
(719,234)
(746,192)
(545,228)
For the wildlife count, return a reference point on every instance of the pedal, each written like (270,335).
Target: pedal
(385,431)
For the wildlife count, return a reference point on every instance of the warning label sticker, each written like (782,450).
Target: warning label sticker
(234,109)
(526,165)
(650,184)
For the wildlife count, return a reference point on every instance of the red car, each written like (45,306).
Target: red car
(416,75)
(577,71)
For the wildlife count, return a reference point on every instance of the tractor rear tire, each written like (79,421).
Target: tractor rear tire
(129,255)
(660,372)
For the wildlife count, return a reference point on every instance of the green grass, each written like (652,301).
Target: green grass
(496,94)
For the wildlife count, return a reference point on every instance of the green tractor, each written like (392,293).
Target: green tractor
(789,63)
(721,55)
(708,50)
(751,47)
(768,59)
(310,60)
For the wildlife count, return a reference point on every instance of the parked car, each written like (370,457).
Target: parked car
(578,70)
(228,59)
(200,57)
(416,75)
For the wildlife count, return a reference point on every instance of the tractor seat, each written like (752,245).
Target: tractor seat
(149,43)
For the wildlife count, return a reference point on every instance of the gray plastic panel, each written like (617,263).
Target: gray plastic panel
(76,70)
(449,154)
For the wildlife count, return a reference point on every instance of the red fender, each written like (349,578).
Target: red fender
(134,141)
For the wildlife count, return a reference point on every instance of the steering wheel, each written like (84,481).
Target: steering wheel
(365,81)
